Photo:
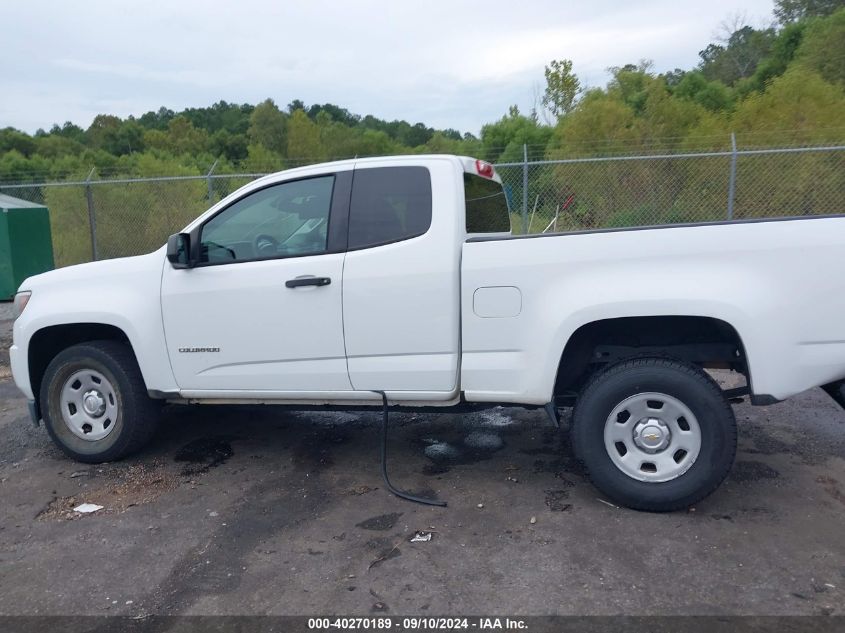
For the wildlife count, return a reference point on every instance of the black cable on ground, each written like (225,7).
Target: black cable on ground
(390,487)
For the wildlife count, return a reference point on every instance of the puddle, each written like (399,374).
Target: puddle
(203,454)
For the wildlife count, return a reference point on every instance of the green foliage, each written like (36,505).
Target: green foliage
(261,160)
(823,47)
(562,87)
(783,51)
(787,11)
(233,118)
(232,147)
(503,140)
(68,224)
(799,101)
(268,127)
(712,95)
(738,57)
(630,82)
(13,140)
(601,118)
(303,138)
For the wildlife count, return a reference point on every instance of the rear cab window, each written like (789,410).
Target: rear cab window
(486,205)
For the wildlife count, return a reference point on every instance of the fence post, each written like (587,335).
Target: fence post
(92,219)
(524,188)
(732,180)
(211,182)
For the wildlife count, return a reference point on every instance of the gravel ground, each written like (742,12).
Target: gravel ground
(243,510)
(6,319)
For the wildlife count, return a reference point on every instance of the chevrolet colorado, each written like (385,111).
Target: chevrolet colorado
(338,283)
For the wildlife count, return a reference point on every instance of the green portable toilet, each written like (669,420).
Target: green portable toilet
(26,247)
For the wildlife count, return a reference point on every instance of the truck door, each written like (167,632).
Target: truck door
(401,286)
(261,310)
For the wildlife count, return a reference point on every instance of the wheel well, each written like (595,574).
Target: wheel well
(46,343)
(704,341)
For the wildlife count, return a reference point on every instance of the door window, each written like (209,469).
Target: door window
(389,204)
(285,220)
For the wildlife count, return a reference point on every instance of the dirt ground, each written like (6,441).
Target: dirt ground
(255,510)
(6,319)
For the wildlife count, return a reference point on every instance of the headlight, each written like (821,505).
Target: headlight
(21,299)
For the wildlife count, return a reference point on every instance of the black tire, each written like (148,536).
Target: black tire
(137,414)
(687,383)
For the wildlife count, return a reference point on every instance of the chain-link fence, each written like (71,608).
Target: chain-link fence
(99,219)
(627,191)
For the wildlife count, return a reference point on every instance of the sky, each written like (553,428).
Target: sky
(450,64)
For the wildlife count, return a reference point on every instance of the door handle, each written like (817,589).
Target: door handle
(308,281)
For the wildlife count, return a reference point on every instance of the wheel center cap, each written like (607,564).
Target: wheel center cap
(94,403)
(652,435)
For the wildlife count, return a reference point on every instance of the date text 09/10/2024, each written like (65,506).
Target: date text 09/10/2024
(417,623)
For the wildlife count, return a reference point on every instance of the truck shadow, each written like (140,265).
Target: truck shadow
(506,440)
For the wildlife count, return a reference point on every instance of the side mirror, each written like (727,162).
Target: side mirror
(178,250)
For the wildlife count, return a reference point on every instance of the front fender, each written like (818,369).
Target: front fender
(122,293)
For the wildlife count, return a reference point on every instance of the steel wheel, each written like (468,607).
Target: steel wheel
(89,405)
(652,437)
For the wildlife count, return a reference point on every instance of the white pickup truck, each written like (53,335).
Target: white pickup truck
(332,283)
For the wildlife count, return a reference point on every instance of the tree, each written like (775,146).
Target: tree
(562,88)
(823,47)
(741,49)
(674,77)
(268,127)
(261,160)
(232,117)
(181,138)
(12,139)
(69,130)
(599,118)
(417,134)
(787,11)
(713,95)
(55,145)
(503,140)
(233,147)
(303,138)
(129,138)
(296,104)
(102,133)
(630,83)
(783,50)
(338,114)
(157,120)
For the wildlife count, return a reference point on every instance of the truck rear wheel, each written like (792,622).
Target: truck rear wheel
(654,434)
(95,403)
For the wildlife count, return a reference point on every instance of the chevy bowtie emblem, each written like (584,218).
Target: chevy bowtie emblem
(652,436)
(195,350)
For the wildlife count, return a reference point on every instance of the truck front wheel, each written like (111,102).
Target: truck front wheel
(654,434)
(95,403)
